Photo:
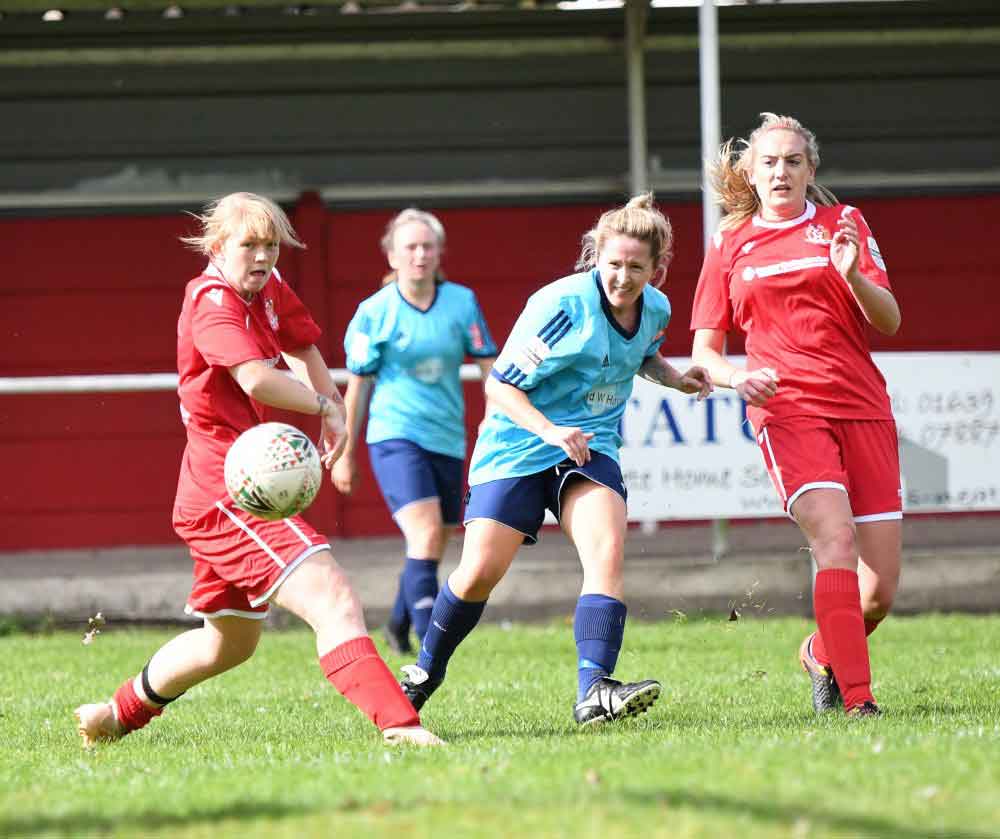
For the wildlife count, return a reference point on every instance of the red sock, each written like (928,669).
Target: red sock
(133,713)
(837,602)
(819,648)
(358,672)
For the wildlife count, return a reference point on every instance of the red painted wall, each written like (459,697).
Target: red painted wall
(102,294)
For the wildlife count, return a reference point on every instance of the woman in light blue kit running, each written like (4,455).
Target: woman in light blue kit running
(557,393)
(405,347)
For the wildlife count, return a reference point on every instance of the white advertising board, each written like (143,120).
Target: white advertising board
(684,459)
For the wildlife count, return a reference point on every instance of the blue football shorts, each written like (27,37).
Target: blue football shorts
(520,503)
(407,473)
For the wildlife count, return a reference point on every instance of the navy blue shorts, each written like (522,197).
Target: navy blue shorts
(407,473)
(520,503)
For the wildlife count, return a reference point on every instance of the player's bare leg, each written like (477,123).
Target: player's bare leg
(825,517)
(487,552)
(319,592)
(881,546)
(181,663)
(594,518)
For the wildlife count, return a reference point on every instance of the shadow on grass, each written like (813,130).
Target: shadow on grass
(84,824)
(787,815)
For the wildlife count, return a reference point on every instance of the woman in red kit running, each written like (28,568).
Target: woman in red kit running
(802,276)
(239,319)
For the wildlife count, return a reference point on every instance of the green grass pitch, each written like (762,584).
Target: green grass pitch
(731,749)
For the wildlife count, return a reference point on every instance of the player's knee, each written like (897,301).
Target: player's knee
(232,651)
(836,547)
(876,604)
(475,582)
(334,605)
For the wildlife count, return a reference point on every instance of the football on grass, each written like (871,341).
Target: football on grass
(273,471)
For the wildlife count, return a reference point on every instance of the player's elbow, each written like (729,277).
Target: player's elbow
(493,387)
(250,376)
(890,323)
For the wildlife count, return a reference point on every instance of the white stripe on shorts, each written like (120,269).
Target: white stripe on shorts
(879,517)
(295,563)
(775,469)
(297,531)
(246,529)
(225,613)
(813,485)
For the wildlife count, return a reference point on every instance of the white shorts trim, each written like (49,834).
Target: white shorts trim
(578,471)
(879,517)
(291,525)
(251,533)
(226,613)
(814,485)
(416,501)
(497,521)
(775,469)
(295,563)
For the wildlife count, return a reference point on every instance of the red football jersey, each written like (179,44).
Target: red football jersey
(217,330)
(775,282)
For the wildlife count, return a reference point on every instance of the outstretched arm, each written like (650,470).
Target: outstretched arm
(345,471)
(311,392)
(753,386)
(658,370)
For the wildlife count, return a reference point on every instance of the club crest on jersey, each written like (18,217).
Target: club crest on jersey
(816,234)
(876,253)
(272,317)
(476,337)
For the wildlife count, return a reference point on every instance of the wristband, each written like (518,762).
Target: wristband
(323,402)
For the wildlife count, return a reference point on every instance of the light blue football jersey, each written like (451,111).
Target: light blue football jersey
(415,358)
(576,365)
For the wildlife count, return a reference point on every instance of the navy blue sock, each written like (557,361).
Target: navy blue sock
(399,618)
(451,620)
(598,627)
(420,588)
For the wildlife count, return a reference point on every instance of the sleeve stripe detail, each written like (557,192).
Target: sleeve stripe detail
(555,329)
(511,376)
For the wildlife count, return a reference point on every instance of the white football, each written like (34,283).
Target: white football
(273,471)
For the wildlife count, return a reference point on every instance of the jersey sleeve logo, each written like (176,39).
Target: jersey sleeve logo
(359,347)
(537,349)
(476,337)
(875,252)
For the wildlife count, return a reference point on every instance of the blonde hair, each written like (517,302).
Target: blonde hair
(407,216)
(638,219)
(259,216)
(729,174)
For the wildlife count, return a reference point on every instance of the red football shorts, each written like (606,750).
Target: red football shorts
(241,560)
(860,457)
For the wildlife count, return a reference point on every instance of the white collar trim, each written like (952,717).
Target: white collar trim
(807,214)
